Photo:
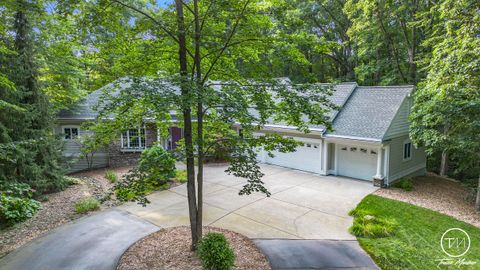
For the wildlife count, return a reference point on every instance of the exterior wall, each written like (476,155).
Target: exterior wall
(111,156)
(398,167)
(400,122)
(118,158)
(74,161)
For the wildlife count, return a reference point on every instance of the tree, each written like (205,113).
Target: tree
(387,40)
(450,94)
(28,150)
(208,92)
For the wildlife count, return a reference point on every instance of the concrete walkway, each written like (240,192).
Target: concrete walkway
(315,254)
(302,205)
(94,242)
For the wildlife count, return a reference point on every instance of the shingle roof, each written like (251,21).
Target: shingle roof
(369,111)
(366,111)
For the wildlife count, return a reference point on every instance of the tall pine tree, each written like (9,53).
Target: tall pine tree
(29,152)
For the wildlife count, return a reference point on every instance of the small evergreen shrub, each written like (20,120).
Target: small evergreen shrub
(111,176)
(87,205)
(215,252)
(157,164)
(16,203)
(405,184)
(367,225)
(181,176)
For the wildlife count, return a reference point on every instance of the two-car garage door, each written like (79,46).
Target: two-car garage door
(305,158)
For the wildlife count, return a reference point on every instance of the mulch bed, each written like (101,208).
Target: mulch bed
(170,249)
(58,209)
(439,194)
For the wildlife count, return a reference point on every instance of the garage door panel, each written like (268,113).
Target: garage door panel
(357,161)
(305,158)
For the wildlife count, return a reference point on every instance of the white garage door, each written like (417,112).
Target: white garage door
(306,158)
(357,161)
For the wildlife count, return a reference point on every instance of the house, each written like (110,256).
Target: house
(370,138)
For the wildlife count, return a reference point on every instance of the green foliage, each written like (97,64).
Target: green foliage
(369,225)
(446,111)
(416,242)
(215,252)
(157,164)
(181,176)
(29,153)
(16,204)
(111,176)
(405,184)
(87,205)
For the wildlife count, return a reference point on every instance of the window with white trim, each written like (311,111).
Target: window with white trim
(70,132)
(407,150)
(133,139)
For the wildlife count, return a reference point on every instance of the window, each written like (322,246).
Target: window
(70,133)
(363,150)
(407,150)
(133,139)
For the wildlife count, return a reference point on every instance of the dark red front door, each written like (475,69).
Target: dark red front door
(175,134)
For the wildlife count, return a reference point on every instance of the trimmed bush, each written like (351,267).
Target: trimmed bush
(157,164)
(368,225)
(111,176)
(87,205)
(215,252)
(405,184)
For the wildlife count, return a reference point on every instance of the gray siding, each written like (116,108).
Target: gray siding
(398,167)
(74,161)
(100,160)
(400,123)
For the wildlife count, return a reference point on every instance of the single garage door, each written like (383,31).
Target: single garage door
(357,161)
(306,158)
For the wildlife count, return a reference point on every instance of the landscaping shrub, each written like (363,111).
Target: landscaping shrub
(111,176)
(157,164)
(368,225)
(215,252)
(181,176)
(405,184)
(86,205)
(16,204)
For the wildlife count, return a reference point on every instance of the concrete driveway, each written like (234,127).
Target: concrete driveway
(302,205)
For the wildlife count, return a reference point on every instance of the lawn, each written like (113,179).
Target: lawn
(416,240)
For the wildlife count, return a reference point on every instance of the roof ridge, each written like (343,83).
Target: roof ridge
(387,86)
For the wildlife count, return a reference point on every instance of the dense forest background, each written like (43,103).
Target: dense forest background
(52,53)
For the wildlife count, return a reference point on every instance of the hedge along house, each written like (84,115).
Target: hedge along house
(370,138)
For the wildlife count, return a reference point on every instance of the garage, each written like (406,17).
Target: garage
(357,161)
(306,158)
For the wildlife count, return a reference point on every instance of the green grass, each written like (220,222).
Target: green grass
(181,176)
(87,205)
(111,176)
(415,243)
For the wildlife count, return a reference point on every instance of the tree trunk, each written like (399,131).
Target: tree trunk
(477,201)
(444,163)
(199,89)
(187,119)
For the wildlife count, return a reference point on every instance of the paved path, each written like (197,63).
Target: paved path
(302,205)
(315,254)
(94,242)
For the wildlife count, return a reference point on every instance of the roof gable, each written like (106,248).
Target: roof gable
(369,112)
